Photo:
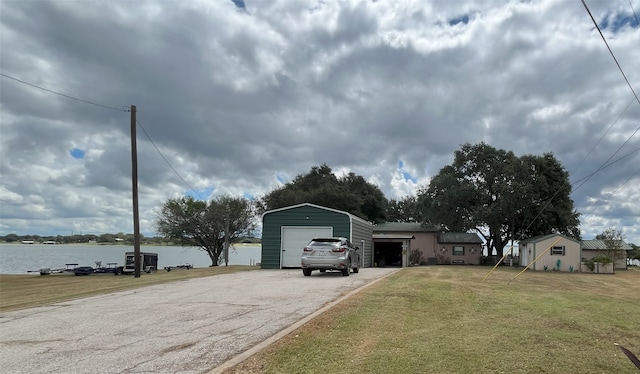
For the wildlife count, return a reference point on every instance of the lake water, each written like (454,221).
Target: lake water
(21,258)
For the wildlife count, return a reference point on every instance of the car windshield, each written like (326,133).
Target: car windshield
(324,243)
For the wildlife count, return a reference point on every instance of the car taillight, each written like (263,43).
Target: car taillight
(340,249)
(307,249)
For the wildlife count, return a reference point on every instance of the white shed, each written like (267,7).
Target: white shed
(551,252)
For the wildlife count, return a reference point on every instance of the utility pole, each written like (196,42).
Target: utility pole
(226,239)
(134,182)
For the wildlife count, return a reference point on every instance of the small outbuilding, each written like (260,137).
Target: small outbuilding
(551,252)
(594,247)
(285,232)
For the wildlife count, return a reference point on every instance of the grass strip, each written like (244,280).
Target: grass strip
(25,291)
(444,320)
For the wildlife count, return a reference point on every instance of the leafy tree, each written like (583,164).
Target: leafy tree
(635,253)
(404,210)
(106,238)
(501,196)
(202,224)
(613,240)
(350,193)
(11,238)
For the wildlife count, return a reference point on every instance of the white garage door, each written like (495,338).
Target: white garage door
(294,238)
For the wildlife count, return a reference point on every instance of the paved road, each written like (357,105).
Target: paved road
(191,326)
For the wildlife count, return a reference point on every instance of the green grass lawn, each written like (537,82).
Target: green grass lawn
(440,319)
(25,291)
(443,319)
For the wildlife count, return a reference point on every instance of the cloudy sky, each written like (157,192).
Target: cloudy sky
(239,97)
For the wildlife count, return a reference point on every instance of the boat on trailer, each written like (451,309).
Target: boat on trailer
(74,269)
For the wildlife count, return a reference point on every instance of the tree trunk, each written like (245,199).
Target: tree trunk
(213,256)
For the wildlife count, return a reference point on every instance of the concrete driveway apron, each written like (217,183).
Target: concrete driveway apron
(190,326)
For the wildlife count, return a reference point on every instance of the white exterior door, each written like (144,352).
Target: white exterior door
(524,255)
(294,238)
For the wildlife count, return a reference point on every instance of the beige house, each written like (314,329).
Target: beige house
(459,248)
(595,247)
(553,252)
(393,243)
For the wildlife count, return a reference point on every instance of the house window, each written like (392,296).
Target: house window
(458,251)
(557,250)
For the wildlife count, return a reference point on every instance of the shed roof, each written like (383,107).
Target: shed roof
(404,227)
(539,238)
(601,245)
(459,237)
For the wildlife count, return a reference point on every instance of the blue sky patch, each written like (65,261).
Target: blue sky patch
(617,21)
(462,19)
(405,174)
(77,153)
(239,3)
(202,194)
(408,177)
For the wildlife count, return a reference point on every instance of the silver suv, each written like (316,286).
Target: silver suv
(330,254)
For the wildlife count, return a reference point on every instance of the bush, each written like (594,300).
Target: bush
(415,257)
(602,258)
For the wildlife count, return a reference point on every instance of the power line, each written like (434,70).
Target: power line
(547,200)
(603,135)
(610,51)
(634,13)
(167,161)
(617,189)
(64,95)
(123,109)
(604,164)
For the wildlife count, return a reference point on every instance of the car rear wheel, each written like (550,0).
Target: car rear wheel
(306,272)
(356,270)
(345,271)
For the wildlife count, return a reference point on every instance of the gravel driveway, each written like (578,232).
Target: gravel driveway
(192,326)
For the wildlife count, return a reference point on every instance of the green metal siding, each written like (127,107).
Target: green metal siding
(363,230)
(272,223)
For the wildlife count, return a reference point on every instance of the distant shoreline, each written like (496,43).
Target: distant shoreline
(236,245)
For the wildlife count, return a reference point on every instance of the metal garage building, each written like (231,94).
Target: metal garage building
(285,232)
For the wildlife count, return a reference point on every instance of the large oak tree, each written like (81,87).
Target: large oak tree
(350,193)
(405,209)
(203,224)
(501,196)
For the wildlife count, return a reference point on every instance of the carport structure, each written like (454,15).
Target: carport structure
(285,232)
(391,250)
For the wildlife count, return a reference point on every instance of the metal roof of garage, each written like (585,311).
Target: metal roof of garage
(351,216)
